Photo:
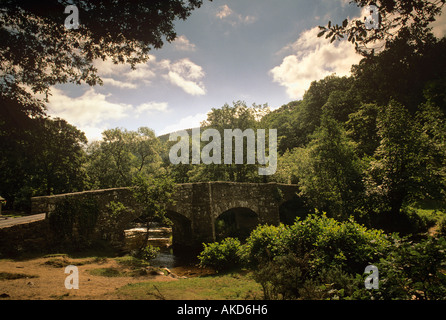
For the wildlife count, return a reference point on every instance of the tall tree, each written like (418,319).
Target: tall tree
(404,167)
(394,18)
(43,156)
(153,194)
(38,51)
(329,170)
(237,116)
(122,155)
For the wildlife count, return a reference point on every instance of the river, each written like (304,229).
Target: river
(160,237)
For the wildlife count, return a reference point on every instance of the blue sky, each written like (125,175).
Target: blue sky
(258,51)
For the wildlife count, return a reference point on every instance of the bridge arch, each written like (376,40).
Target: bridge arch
(292,208)
(181,229)
(236,222)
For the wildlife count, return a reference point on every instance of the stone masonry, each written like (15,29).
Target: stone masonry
(196,207)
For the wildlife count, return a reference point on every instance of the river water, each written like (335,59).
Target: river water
(161,238)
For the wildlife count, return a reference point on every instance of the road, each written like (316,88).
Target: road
(26,219)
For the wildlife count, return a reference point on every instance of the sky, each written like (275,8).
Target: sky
(257,51)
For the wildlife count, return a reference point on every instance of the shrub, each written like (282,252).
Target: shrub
(442,226)
(149,252)
(414,271)
(282,277)
(328,242)
(264,243)
(222,255)
(332,243)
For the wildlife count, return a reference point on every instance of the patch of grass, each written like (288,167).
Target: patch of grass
(14,276)
(61,261)
(222,287)
(107,272)
(131,262)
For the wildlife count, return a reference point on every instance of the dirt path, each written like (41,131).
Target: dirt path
(50,283)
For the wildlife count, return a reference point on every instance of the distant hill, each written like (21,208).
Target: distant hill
(165,137)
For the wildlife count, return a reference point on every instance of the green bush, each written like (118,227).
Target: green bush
(442,226)
(149,252)
(264,243)
(329,243)
(414,271)
(221,256)
(348,244)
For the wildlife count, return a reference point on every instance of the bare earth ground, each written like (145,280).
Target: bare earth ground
(50,283)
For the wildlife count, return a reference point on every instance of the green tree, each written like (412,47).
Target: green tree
(59,157)
(286,122)
(38,51)
(121,155)
(406,72)
(362,129)
(396,17)
(329,170)
(152,194)
(402,169)
(40,156)
(238,116)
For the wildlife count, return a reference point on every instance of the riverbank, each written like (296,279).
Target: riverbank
(120,278)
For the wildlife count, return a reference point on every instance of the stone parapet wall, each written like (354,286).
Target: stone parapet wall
(196,207)
(25,237)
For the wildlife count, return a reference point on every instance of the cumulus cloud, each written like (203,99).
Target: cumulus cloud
(228,15)
(182,43)
(312,59)
(92,112)
(150,107)
(182,73)
(188,122)
(186,75)
(89,109)
(119,84)
(130,78)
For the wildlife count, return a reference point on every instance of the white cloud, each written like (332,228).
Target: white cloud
(130,78)
(182,43)
(91,112)
(224,11)
(186,75)
(182,73)
(150,107)
(228,15)
(313,58)
(185,123)
(90,109)
(439,25)
(119,84)
(107,67)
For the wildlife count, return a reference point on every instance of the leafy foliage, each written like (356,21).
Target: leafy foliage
(38,51)
(121,156)
(73,221)
(221,256)
(397,17)
(414,271)
(152,195)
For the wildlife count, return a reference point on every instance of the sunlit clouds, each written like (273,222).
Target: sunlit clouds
(312,58)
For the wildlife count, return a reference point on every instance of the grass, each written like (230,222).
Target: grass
(235,286)
(107,272)
(14,276)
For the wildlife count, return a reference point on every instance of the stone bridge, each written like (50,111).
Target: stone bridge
(197,206)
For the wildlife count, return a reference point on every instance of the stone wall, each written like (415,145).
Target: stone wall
(196,207)
(29,237)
